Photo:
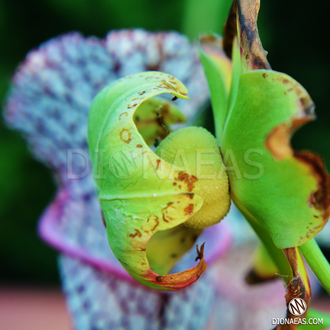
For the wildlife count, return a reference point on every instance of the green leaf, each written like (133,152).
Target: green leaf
(236,74)
(217,69)
(285,191)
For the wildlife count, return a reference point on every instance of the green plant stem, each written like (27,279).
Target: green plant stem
(264,265)
(317,262)
(276,254)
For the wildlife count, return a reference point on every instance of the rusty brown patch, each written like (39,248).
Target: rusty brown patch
(137,233)
(189,195)
(124,113)
(189,209)
(141,93)
(165,218)
(139,146)
(189,180)
(310,200)
(130,106)
(321,197)
(125,136)
(158,162)
(157,223)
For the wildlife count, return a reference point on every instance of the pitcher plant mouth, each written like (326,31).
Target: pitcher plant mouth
(145,199)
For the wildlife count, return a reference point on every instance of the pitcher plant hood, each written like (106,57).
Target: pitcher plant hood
(146,201)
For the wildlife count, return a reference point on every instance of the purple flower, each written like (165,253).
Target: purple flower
(48,102)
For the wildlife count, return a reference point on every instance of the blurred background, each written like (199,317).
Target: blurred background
(293,32)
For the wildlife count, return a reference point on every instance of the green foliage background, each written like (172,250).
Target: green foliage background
(294,32)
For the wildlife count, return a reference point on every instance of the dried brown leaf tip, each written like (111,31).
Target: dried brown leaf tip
(230,30)
(253,54)
(243,16)
(200,252)
(187,277)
